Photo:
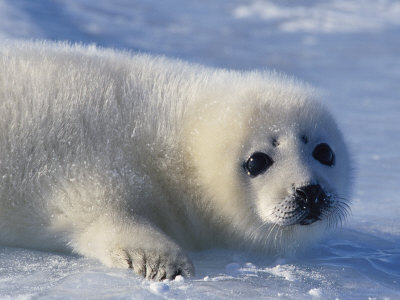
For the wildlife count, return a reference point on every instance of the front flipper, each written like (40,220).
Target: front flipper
(139,246)
(154,264)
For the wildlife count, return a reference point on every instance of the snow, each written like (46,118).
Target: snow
(315,292)
(159,287)
(325,16)
(350,49)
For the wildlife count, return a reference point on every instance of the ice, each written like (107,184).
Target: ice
(348,48)
(286,272)
(159,288)
(324,16)
(232,268)
(23,28)
(179,278)
(315,293)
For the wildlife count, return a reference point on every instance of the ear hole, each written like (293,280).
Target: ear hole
(275,142)
(304,138)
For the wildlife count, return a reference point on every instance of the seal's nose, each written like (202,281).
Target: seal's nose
(311,199)
(309,195)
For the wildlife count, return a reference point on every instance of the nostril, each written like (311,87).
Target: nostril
(310,195)
(300,193)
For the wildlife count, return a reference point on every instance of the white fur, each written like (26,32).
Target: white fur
(127,158)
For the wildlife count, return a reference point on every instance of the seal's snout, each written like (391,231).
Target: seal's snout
(310,198)
(309,195)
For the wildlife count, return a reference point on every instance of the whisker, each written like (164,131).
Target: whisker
(272,229)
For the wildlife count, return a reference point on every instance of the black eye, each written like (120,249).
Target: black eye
(257,163)
(324,154)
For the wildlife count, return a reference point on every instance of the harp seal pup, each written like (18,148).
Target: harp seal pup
(133,159)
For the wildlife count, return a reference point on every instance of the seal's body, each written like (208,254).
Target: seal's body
(131,158)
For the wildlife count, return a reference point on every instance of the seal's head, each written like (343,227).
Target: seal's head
(273,161)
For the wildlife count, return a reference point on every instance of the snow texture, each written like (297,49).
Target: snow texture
(348,48)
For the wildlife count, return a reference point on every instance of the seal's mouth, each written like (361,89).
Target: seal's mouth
(309,220)
(307,205)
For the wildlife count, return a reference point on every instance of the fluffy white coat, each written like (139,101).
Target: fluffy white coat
(131,158)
